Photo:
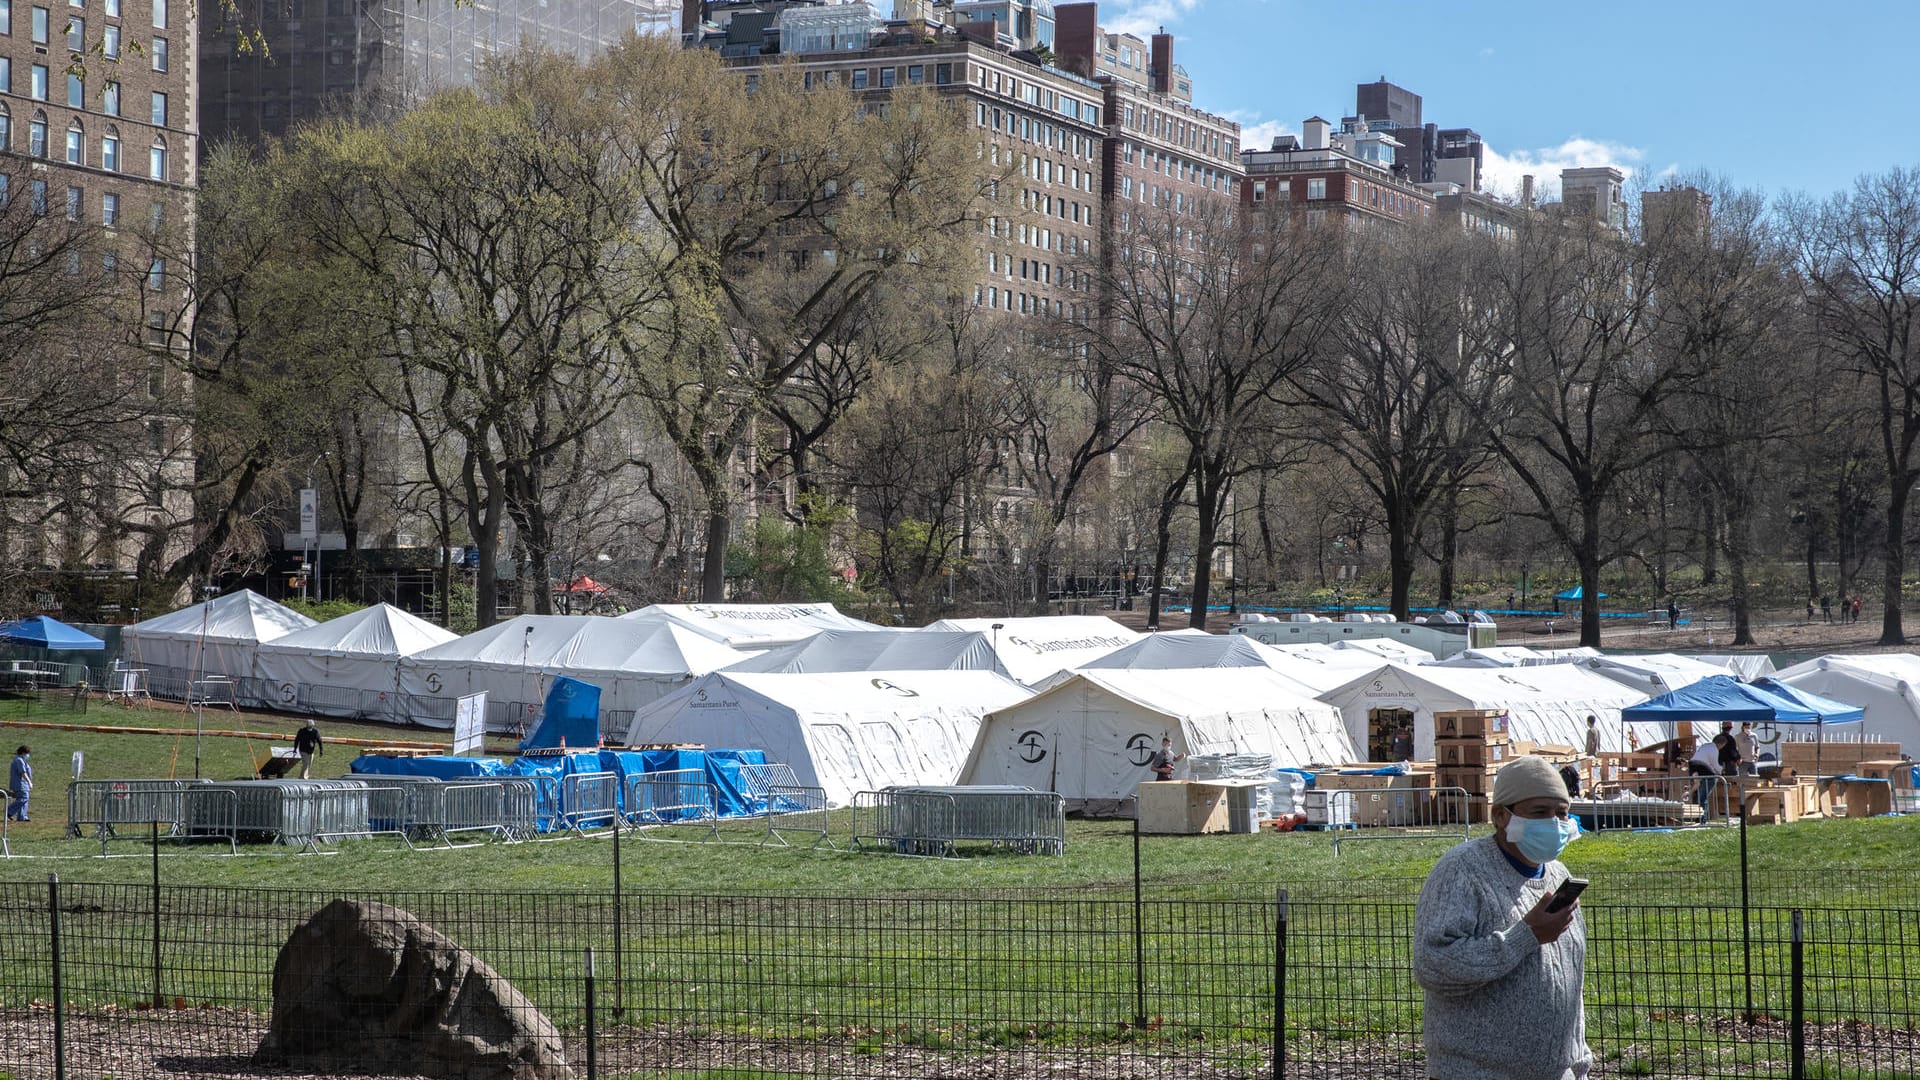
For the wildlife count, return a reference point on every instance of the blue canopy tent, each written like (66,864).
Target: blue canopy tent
(571,718)
(42,632)
(1763,701)
(1574,593)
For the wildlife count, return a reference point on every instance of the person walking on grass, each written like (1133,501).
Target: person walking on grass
(307,744)
(1501,975)
(19,785)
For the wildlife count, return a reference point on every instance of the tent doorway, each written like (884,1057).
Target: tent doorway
(1382,726)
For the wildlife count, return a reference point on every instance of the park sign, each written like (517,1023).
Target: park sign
(469,724)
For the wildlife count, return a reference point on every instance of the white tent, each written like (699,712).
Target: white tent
(1501,656)
(346,666)
(1885,685)
(1323,667)
(880,650)
(1092,736)
(1387,649)
(1544,703)
(843,732)
(215,638)
(1159,652)
(1741,665)
(1652,674)
(752,626)
(633,663)
(1035,647)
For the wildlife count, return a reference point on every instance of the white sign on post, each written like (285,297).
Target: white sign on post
(470,724)
(309,515)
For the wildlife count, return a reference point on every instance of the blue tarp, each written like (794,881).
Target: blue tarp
(571,717)
(1723,697)
(439,766)
(44,633)
(723,772)
(721,769)
(1573,594)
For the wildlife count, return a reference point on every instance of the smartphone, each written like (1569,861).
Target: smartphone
(1566,894)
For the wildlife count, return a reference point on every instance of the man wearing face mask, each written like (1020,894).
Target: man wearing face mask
(1502,975)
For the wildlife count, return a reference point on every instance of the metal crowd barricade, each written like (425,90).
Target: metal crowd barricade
(1015,818)
(1636,801)
(1447,813)
(903,822)
(669,797)
(757,783)
(215,690)
(382,811)
(107,804)
(589,799)
(520,799)
(791,808)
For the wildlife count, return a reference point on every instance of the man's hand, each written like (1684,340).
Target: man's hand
(1547,926)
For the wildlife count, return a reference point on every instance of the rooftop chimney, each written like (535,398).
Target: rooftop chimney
(1160,78)
(691,13)
(1313,133)
(1526,190)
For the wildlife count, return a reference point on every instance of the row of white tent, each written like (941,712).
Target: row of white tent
(1069,704)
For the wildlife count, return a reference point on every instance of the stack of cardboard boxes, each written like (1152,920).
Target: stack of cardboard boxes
(1470,746)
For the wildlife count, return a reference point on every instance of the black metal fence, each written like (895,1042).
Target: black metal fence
(126,981)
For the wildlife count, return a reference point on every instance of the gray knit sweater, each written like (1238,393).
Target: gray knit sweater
(1499,1005)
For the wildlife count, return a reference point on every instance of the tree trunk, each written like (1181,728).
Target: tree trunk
(1895,554)
(1162,540)
(1742,600)
(1813,566)
(1449,548)
(713,566)
(1399,560)
(1710,552)
(1208,501)
(1589,559)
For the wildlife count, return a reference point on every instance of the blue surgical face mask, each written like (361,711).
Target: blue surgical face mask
(1541,840)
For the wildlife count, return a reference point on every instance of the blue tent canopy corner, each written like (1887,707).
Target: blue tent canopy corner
(571,717)
(1574,594)
(42,632)
(1723,697)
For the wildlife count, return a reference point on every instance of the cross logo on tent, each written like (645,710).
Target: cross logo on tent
(1032,747)
(1140,749)
(883,684)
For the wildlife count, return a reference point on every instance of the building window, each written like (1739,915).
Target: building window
(157,275)
(159,109)
(76,34)
(159,14)
(1317,188)
(37,137)
(860,78)
(76,92)
(157,162)
(887,76)
(75,200)
(159,54)
(37,196)
(110,153)
(6,75)
(40,18)
(6,130)
(110,43)
(1259,191)
(113,9)
(916,73)
(942,74)
(76,143)
(109,212)
(39,88)
(110,99)
(6,17)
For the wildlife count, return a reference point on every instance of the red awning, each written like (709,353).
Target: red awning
(581,584)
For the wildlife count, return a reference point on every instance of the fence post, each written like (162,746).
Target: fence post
(619,944)
(1139,941)
(1797,1025)
(593,1064)
(1746,905)
(59,994)
(154,826)
(1280,986)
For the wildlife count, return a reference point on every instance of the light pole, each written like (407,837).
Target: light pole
(200,696)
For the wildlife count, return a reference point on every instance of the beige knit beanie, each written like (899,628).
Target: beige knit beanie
(1528,778)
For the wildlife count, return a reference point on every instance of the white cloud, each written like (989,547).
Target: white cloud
(1259,134)
(1501,173)
(1143,17)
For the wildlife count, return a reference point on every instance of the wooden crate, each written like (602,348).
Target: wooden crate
(1834,757)
(1455,753)
(1469,723)
(1182,808)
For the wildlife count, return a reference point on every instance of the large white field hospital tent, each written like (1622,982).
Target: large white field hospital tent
(1033,648)
(1324,667)
(1653,674)
(514,662)
(1091,737)
(1747,666)
(1517,656)
(215,638)
(1160,652)
(1885,685)
(347,666)
(880,650)
(843,732)
(1544,704)
(752,626)
(1387,649)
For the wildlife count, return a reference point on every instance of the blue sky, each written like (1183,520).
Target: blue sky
(1773,96)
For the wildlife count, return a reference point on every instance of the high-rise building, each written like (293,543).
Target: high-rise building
(312,57)
(1348,173)
(1596,192)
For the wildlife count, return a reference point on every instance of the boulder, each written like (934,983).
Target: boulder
(367,987)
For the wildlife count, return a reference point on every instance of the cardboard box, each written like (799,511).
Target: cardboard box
(1469,723)
(1453,753)
(1182,808)
(1474,781)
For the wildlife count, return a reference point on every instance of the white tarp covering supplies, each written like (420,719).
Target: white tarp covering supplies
(1653,674)
(842,732)
(216,638)
(346,666)
(752,626)
(1092,736)
(1885,685)
(1546,703)
(514,662)
(1033,648)
(1160,652)
(880,650)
